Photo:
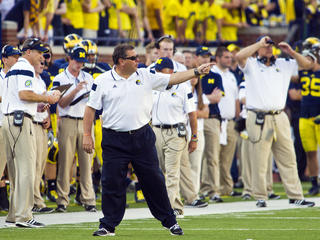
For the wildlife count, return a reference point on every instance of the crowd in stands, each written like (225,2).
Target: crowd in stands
(188,21)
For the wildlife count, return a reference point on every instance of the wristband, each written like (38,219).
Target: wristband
(194,136)
(194,139)
(196,72)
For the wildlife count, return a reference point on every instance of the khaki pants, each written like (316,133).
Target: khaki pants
(187,188)
(42,152)
(226,158)
(20,147)
(276,137)
(210,170)
(195,159)
(169,149)
(246,168)
(3,156)
(70,141)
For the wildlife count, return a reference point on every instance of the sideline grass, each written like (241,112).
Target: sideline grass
(285,225)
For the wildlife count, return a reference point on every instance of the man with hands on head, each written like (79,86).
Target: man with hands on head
(267,81)
(125,94)
(20,103)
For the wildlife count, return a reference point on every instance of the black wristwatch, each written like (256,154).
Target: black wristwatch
(196,72)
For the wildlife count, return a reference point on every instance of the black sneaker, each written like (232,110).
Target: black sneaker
(246,196)
(102,232)
(314,190)
(216,199)
(235,194)
(261,203)
(197,204)
(238,184)
(36,209)
(30,224)
(178,213)
(273,196)
(90,208)
(301,202)
(176,230)
(61,208)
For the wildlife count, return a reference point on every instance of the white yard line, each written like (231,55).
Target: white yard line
(141,213)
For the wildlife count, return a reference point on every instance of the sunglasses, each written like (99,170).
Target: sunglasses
(46,55)
(132,58)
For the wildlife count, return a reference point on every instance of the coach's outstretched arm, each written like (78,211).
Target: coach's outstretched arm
(247,52)
(180,77)
(303,62)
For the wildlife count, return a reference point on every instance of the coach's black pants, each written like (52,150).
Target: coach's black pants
(120,148)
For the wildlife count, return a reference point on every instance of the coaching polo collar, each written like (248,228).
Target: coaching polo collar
(117,77)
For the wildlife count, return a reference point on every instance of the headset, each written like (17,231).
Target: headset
(157,43)
(3,52)
(264,60)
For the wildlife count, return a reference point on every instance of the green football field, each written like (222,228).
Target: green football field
(285,224)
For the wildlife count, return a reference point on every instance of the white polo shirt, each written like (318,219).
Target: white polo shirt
(66,77)
(227,104)
(41,88)
(267,86)
(126,103)
(2,76)
(171,106)
(21,77)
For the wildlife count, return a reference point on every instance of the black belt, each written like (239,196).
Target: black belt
(216,116)
(25,115)
(273,112)
(75,118)
(37,122)
(166,126)
(125,132)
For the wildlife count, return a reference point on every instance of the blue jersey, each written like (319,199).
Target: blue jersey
(310,91)
(209,83)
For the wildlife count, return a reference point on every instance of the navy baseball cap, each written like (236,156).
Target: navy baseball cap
(202,50)
(162,63)
(79,54)
(34,44)
(9,50)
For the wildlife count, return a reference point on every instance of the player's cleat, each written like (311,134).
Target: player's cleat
(52,196)
(30,224)
(176,230)
(273,196)
(301,202)
(261,203)
(197,204)
(314,190)
(102,232)
(235,194)
(77,201)
(138,196)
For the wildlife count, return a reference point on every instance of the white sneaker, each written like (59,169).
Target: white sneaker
(30,224)
(8,224)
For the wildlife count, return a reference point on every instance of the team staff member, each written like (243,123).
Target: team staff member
(310,108)
(19,107)
(125,93)
(229,109)
(210,174)
(71,109)
(9,56)
(169,111)
(41,123)
(267,81)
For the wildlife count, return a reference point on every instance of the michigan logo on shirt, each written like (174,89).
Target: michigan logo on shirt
(138,82)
